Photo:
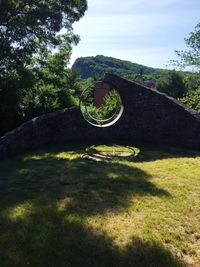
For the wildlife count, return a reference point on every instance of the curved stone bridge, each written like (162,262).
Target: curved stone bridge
(148,117)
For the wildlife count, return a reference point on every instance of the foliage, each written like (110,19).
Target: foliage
(104,114)
(171,84)
(27,26)
(192,99)
(83,84)
(97,66)
(11,87)
(55,87)
(111,106)
(190,57)
(192,81)
(30,81)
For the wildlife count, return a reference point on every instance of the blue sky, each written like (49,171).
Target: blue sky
(141,31)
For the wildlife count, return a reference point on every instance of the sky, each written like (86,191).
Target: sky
(141,31)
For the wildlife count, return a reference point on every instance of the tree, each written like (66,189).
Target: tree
(26,26)
(29,28)
(55,86)
(192,99)
(191,57)
(192,81)
(171,84)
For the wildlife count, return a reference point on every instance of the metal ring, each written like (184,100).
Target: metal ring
(101,121)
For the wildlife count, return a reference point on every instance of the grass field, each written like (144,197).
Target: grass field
(60,210)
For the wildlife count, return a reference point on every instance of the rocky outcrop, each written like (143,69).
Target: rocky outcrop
(149,116)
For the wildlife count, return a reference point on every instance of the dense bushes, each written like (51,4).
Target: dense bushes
(192,99)
(192,96)
(172,84)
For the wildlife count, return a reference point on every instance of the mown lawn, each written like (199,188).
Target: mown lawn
(58,209)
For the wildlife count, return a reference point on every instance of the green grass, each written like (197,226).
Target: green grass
(57,209)
(110,148)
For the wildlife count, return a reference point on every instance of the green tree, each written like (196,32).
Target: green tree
(192,81)
(171,84)
(26,26)
(29,28)
(191,57)
(55,87)
(192,99)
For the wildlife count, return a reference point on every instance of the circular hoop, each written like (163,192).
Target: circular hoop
(102,122)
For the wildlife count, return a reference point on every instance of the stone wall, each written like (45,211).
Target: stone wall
(149,116)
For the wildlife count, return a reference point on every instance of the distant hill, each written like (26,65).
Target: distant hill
(97,66)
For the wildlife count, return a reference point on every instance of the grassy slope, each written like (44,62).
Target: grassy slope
(57,209)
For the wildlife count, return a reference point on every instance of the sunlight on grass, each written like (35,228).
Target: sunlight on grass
(63,204)
(20,211)
(68,155)
(38,156)
(113,175)
(111,148)
(63,208)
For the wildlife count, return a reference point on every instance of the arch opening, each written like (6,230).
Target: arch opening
(101,105)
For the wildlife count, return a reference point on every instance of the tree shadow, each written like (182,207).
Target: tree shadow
(44,236)
(152,153)
(44,201)
(92,187)
(95,187)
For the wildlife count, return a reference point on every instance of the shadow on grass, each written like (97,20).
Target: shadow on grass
(44,203)
(151,153)
(43,236)
(147,153)
(93,187)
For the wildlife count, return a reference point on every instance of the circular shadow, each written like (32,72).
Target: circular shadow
(110,152)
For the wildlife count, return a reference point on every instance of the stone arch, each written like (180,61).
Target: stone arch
(149,116)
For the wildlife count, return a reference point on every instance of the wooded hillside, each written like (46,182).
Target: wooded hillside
(97,66)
